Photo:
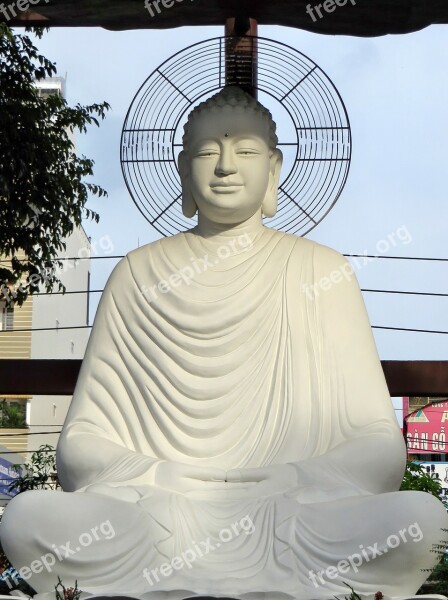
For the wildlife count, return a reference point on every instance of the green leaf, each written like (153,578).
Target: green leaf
(43,187)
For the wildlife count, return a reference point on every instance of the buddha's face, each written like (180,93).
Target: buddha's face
(229,165)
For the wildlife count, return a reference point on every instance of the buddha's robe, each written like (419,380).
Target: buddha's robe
(262,357)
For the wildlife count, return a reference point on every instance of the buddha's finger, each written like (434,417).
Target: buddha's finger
(193,485)
(258,474)
(205,474)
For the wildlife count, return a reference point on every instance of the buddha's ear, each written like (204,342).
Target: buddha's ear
(269,206)
(189,207)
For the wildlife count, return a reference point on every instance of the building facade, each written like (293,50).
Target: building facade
(425,423)
(46,326)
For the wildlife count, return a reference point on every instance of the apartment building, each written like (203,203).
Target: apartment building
(50,326)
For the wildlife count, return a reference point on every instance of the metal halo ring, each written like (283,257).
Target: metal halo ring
(151,138)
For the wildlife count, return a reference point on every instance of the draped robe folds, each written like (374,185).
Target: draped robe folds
(234,352)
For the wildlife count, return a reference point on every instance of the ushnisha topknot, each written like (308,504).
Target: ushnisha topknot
(237,98)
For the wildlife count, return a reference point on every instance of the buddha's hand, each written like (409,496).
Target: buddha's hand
(182,478)
(270,480)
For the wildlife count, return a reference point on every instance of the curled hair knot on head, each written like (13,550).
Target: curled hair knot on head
(234,97)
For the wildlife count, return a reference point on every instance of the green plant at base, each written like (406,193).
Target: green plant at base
(437,582)
(67,593)
(39,473)
(415,478)
(355,596)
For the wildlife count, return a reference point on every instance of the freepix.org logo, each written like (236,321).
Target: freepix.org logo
(50,560)
(366,554)
(197,265)
(199,549)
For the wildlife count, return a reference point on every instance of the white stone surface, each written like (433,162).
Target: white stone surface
(230,427)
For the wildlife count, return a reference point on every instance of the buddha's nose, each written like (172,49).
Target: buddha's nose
(226,164)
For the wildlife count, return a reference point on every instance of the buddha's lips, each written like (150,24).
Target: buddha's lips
(225,188)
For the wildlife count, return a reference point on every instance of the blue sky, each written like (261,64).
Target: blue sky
(395,89)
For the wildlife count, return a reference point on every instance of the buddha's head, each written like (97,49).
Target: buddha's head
(230,166)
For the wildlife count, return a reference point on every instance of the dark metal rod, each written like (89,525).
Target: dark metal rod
(58,377)
(241,59)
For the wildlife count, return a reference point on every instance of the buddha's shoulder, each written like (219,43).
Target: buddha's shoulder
(301,249)
(137,259)
(304,249)
(165,244)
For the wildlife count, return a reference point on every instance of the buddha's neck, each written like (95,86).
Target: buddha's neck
(252,227)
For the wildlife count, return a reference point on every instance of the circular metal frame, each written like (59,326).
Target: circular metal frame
(321,142)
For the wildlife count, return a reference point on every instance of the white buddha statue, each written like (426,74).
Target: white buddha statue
(231,433)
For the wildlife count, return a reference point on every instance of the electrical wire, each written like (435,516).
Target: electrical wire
(24,451)
(443,295)
(46,328)
(395,257)
(403,292)
(27,330)
(384,256)
(8,260)
(409,329)
(71,292)
(2,435)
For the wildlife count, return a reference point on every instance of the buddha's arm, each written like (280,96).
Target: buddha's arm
(372,464)
(368,452)
(102,428)
(87,458)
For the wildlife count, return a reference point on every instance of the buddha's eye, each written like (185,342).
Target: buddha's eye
(247,152)
(206,153)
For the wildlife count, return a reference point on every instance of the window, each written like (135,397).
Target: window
(7,318)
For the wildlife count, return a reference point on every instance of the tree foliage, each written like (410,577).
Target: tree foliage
(12,415)
(415,478)
(437,583)
(43,192)
(39,473)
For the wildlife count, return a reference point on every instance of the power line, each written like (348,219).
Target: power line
(402,292)
(421,438)
(382,256)
(426,411)
(408,329)
(425,450)
(46,329)
(27,330)
(8,260)
(72,292)
(2,435)
(395,257)
(362,290)
(24,451)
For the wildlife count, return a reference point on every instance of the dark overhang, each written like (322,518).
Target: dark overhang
(356,17)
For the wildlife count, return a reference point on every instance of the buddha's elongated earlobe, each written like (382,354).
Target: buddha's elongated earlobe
(189,207)
(269,206)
